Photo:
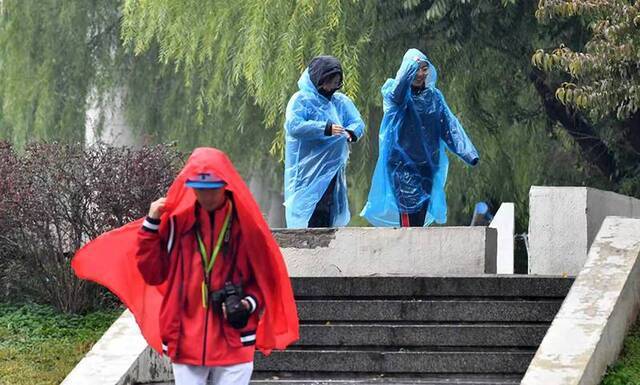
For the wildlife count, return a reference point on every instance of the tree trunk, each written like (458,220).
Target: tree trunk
(632,132)
(594,150)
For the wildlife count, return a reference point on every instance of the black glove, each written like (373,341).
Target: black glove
(237,313)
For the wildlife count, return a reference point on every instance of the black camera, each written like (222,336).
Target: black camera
(231,295)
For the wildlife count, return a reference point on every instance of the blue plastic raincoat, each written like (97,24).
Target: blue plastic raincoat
(312,159)
(412,166)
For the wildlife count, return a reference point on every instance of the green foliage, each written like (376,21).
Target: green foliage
(52,52)
(626,371)
(28,325)
(605,78)
(38,345)
(160,107)
(230,51)
(220,74)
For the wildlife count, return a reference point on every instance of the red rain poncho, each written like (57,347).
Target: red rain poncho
(110,259)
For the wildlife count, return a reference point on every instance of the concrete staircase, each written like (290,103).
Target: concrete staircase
(404,330)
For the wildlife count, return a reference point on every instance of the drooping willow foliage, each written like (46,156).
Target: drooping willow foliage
(218,73)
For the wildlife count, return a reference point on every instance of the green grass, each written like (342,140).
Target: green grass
(39,345)
(626,371)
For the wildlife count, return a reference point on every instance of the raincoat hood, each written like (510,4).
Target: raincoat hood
(322,68)
(414,56)
(319,70)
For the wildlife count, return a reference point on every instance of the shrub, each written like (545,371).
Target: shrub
(7,265)
(59,196)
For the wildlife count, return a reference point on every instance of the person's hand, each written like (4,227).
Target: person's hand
(337,130)
(244,303)
(351,137)
(157,207)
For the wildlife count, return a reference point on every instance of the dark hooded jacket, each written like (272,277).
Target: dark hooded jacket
(323,68)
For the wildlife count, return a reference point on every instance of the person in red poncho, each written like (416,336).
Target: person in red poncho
(201,273)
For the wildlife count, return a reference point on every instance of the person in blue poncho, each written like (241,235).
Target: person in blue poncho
(320,124)
(409,179)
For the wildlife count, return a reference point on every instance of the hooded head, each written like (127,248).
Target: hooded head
(207,170)
(412,56)
(209,189)
(325,73)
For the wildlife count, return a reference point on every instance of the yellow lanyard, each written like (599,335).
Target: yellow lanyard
(207,264)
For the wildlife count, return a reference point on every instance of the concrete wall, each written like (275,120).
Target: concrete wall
(563,222)
(150,368)
(587,333)
(366,251)
(601,204)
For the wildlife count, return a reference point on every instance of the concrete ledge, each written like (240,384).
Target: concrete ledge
(368,251)
(563,222)
(113,357)
(587,334)
(120,357)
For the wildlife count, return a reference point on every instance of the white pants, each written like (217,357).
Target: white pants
(239,374)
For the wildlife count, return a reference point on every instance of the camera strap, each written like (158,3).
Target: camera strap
(207,263)
(232,252)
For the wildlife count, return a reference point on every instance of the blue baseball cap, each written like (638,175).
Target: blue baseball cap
(205,180)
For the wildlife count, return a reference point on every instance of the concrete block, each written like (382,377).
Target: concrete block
(504,223)
(563,222)
(120,357)
(588,332)
(353,251)
(557,229)
(151,368)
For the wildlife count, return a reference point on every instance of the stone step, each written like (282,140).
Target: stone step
(274,378)
(428,310)
(514,361)
(422,335)
(419,287)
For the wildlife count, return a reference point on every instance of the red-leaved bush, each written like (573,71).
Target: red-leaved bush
(56,197)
